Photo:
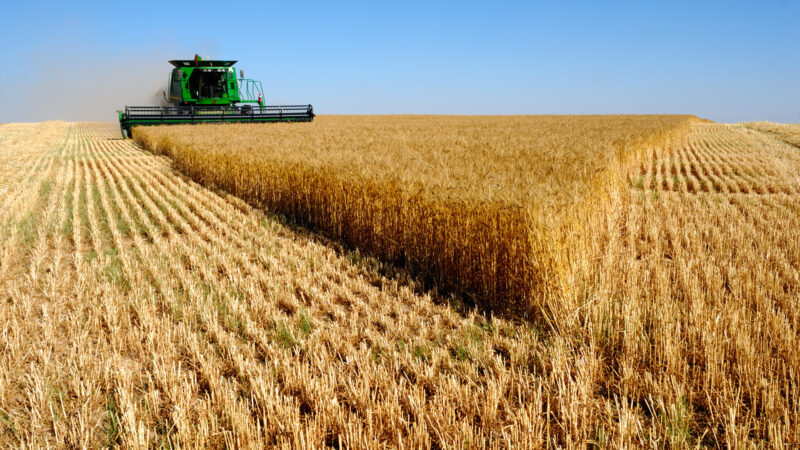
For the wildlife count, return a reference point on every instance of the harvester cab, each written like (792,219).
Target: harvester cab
(208,91)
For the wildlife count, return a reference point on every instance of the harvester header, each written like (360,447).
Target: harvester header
(208,91)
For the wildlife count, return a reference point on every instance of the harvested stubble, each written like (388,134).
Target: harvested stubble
(492,207)
(789,133)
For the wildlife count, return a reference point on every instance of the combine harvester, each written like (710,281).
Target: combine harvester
(207,91)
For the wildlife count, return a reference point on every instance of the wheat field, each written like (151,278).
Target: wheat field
(140,308)
(487,206)
(789,133)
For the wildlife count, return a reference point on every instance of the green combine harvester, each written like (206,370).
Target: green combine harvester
(208,91)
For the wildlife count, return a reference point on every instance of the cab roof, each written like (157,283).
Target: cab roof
(202,62)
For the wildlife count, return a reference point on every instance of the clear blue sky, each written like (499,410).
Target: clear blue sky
(726,61)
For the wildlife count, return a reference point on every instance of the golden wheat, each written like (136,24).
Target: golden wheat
(483,205)
(141,309)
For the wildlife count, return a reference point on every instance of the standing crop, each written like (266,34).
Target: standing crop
(491,207)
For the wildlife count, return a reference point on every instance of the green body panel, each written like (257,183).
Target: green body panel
(181,92)
(199,82)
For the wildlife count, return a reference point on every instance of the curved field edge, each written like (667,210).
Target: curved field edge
(371,186)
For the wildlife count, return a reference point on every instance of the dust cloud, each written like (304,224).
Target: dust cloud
(72,88)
